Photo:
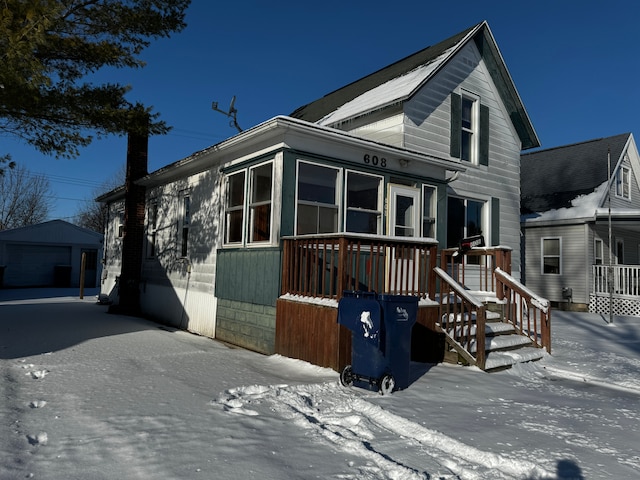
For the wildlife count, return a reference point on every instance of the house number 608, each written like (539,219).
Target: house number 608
(375,160)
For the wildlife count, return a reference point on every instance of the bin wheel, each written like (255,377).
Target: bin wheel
(346,377)
(386,385)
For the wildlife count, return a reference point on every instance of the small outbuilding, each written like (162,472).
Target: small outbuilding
(49,254)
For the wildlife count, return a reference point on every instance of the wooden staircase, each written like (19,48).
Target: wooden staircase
(492,330)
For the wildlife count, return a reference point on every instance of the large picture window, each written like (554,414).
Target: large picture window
(260,203)
(317,199)
(234,208)
(363,199)
(552,256)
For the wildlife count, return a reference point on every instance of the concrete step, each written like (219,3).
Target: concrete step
(506,359)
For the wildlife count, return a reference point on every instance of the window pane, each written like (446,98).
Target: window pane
(551,246)
(428,212)
(474,218)
(261,223)
(363,191)
(455,221)
(552,265)
(404,211)
(317,184)
(234,226)
(307,219)
(327,219)
(467,111)
(235,195)
(261,183)
(362,222)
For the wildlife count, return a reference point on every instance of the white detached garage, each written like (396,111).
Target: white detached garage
(49,254)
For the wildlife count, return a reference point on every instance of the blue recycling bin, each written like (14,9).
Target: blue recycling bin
(380,339)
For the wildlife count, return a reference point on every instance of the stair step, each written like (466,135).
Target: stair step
(502,342)
(500,360)
(491,329)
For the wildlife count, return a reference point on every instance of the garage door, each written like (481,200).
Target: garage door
(34,265)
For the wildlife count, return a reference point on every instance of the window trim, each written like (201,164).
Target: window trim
(380,200)
(250,204)
(623,179)
(120,223)
(543,256)
(434,208)
(185,222)
(227,209)
(338,194)
(598,248)
(474,130)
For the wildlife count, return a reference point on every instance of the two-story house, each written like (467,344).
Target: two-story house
(253,240)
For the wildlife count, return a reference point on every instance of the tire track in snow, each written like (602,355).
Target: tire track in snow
(353,425)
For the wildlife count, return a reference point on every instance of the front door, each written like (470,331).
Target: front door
(404,221)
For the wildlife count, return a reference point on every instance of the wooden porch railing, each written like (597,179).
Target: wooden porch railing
(624,280)
(463,319)
(529,313)
(325,265)
(474,269)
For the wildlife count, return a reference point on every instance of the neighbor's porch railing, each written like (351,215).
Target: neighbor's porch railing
(624,280)
(325,265)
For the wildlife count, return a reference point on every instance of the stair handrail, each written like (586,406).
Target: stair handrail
(524,316)
(458,308)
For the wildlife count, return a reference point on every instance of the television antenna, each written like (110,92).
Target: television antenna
(231,113)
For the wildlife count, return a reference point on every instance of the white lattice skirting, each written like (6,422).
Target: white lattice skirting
(629,307)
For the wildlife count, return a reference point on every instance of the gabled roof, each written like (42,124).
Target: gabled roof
(52,231)
(551,179)
(404,78)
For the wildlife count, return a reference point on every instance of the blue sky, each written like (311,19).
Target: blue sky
(574,63)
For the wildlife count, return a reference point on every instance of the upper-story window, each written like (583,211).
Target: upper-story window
(120,223)
(317,199)
(623,182)
(185,224)
(363,202)
(469,129)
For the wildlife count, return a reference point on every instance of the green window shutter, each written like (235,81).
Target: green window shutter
(484,135)
(456,124)
(495,221)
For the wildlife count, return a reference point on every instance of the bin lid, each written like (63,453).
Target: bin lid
(362,316)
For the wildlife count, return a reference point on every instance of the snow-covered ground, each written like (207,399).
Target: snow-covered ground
(89,395)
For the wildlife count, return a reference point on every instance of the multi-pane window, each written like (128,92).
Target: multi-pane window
(234,208)
(469,131)
(152,228)
(623,182)
(363,199)
(317,199)
(551,256)
(429,209)
(598,252)
(465,218)
(184,225)
(260,203)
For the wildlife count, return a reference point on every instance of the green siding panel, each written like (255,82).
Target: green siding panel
(249,275)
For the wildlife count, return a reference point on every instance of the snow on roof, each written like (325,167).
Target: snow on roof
(582,206)
(388,93)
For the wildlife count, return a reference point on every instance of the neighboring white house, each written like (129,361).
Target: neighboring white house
(426,147)
(49,254)
(581,224)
